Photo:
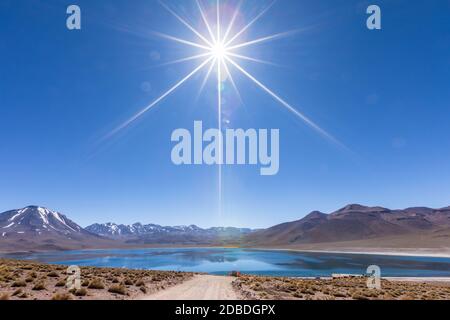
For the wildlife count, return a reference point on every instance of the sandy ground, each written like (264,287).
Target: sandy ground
(201,287)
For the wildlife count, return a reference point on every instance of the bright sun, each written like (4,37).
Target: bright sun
(219,44)
(219,51)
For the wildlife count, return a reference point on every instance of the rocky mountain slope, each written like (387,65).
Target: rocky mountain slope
(356,223)
(38,228)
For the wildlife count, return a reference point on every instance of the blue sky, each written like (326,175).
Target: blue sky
(384,94)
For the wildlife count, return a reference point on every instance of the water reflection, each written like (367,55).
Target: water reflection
(263,262)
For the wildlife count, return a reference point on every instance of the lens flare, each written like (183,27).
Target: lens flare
(219,53)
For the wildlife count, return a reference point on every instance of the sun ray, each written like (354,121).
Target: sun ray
(185,23)
(250,23)
(233,19)
(218,51)
(263,39)
(233,84)
(219,120)
(198,56)
(218,22)
(154,103)
(251,59)
(205,20)
(169,37)
(211,67)
(288,106)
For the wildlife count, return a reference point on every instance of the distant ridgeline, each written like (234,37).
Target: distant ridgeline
(354,226)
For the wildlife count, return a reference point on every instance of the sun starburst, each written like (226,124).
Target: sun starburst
(220,52)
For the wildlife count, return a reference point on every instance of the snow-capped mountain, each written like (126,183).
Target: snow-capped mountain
(36,220)
(120,230)
(37,228)
(150,233)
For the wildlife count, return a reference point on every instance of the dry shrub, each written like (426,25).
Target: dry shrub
(19,283)
(39,286)
(24,295)
(4,296)
(358,296)
(81,292)
(339,294)
(140,283)
(96,284)
(60,283)
(117,288)
(62,296)
(25,267)
(53,274)
(17,292)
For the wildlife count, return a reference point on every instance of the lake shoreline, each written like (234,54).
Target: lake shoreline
(293,263)
(27,280)
(422,252)
(375,252)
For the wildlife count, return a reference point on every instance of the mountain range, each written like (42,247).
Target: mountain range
(155,234)
(354,226)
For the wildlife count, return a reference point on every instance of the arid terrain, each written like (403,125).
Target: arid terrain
(24,280)
(271,288)
(34,281)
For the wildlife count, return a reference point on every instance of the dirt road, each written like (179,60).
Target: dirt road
(201,287)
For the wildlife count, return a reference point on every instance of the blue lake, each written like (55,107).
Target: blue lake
(249,261)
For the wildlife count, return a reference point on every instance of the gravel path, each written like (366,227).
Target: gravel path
(201,287)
